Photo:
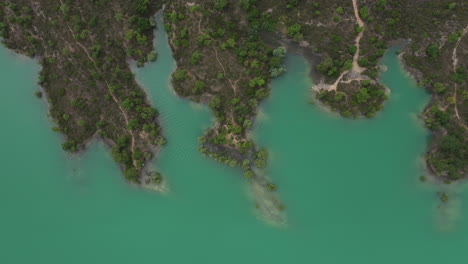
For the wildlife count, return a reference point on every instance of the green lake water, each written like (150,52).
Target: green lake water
(350,187)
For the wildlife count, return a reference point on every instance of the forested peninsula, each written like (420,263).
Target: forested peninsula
(84,48)
(227,52)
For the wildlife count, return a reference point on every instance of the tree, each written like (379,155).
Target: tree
(131,174)
(275,72)
(133,124)
(198,87)
(248,174)
(261,158)
(215,102)
(272,187)
(454,37)
(69,146)
(246,4)
(179,75)
(152,56)
(381,4)
(142,6)
(156,177)
(229,44)
(127,104)
(348,65)
(257,81)
(364,12)
(279,52)
(439,88)
(3,29)
(294,29)
(433,51)
(362,96)
(459,76)
(195,59)
(325,65)
(220,4)
(292,4)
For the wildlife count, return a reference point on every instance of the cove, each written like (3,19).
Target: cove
(350,187)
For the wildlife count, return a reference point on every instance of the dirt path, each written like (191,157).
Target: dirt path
(455,63)
(110,92)
(356,67)
(233,86)
(454,53)
(224,71)
(357,70)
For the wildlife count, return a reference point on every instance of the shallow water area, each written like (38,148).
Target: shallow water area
(350,187)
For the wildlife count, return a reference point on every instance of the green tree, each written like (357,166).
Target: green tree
(220,4)
(348,65)
(279,52)
(69,146)
(454,37)
(152,56)
(133,124)
(261,158)
(142,6)
(362,96)
(439,88)
(325,65)
(179,75)
(215,102)
(248,174)
(433,51)
(195,59)
(292,4)
(257,81)
(459,76)
(198,87)
(229,44)
(131,174)
(364,12)
(294,29)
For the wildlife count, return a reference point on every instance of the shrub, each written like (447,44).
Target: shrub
(179,75)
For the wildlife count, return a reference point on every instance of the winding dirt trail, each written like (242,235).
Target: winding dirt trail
(356,67)
(224,71)
(455,63)
(110,92)
(454,53)
(357,70)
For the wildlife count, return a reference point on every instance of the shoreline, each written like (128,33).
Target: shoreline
(417,76)
(304,49)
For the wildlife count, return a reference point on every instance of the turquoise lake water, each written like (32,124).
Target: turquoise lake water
(351,187)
